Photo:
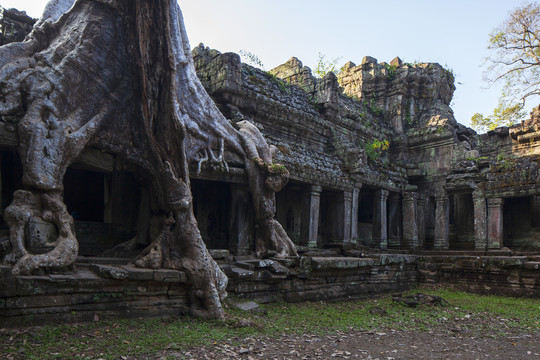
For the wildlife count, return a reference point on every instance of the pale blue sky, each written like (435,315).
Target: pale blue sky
(452,33)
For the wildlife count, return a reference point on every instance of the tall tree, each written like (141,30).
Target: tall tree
(515,62)
(117,75)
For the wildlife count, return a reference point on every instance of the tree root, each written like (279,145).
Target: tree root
(209,157)
(51,208)
(264,183)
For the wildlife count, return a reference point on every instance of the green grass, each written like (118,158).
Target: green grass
(479,315)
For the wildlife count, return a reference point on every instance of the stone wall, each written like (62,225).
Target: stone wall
(109,289)
(14,25)
(321,278)
(90,289)
(503,275)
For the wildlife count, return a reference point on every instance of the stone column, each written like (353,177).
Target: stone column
(347,211)
(380,221)
(354,213)
(310,217)
(394,221)
(495,223)
(480,220)
(421,219)
(441,222)
(410,224)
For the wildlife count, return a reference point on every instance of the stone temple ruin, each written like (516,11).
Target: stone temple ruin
(377,187)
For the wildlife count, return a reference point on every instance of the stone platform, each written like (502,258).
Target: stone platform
(109,288)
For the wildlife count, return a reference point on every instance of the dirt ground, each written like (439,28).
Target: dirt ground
(391,345)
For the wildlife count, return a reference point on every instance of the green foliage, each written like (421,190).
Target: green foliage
(408,116)
(504,163)
(361,115)
(391,71)
(325,66)
(503,115)
(251,59)
(372,106)
(515,61)
(277,169)
(278,82)
(375,148)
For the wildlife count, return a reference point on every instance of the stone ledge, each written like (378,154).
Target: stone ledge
(341,263)
(531,265)
(138,274)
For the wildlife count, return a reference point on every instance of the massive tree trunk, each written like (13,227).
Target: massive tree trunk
(117,75)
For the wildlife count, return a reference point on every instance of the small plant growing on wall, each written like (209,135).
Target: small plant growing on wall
(251,59)
(375,148)
(391,71)
(325,66)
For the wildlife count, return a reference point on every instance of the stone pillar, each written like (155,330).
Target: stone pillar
(495,223)
(410,224)
(380,221)
(347,211)
(394,221)
(480,220)
(310,217)
(441,222)
(421,219)
(354,213)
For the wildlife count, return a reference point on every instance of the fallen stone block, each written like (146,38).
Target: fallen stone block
(110,272)
(218,254)
(241,274)
(138,274)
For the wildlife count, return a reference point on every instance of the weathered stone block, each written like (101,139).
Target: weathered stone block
(531,265)
(138,274)
(248,265)
(40,235)
(272,278)
(28,302)
(247,306)
(111,272)
(288,262)
(241,274)
(218,254)
(168,275)
(335,263)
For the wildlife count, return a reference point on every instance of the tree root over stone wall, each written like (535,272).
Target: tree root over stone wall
(117,75)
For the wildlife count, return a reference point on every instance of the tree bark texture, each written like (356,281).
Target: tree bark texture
(117,75)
